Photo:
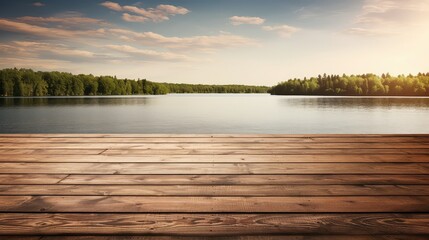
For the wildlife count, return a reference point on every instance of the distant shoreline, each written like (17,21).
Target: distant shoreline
(356,85)
(28,83)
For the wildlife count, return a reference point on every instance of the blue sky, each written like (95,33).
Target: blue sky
(224,41)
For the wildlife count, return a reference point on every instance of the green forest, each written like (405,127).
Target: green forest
(356,85)
(26,82)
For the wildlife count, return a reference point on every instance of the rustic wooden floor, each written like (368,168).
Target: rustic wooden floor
(295,187)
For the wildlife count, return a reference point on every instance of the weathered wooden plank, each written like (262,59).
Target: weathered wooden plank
(58,151)
(313,179)
(149,204)
(61,168)
(217,168)
(215,140)
(145,135)
(236,179)
(197,140)
(31,178)
(215,158)
(257,151)
(213,224)
(216,146)
(265,237)
(53,151)
(13,201)
(21,237)
(214,190)
(310,174)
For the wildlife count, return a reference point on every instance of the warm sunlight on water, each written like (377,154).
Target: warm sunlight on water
(221,113)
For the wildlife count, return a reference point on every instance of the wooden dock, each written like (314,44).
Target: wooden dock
(106,186)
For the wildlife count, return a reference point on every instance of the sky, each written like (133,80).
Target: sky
(255,42)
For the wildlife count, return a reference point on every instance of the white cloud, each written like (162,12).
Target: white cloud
(58,49)
(378,6)
(367,31)
(148,54)
(39,4)
(195,42)
(133,18)
(381,17)
(47,32)
(68,21)
(239,20)
(282,30)
(112,5)
(390,10)
(31,49)
(149,14)
(158,14)
(173,10)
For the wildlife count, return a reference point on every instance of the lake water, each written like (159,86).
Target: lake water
(214,113)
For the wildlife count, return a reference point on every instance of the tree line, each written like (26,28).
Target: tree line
(356,85)
(26,82)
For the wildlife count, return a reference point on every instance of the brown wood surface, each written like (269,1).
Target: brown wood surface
(219,179)
(315,179)
(266,151)
(216,168)
(214,146)
(137,152)
(259,237)
(215,158)
(215,224)
(165,204)
(214,190)
(222,186)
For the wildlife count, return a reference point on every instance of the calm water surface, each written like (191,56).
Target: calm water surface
(214,113)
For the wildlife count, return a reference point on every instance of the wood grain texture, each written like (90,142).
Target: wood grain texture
(214,190)
(265,237)
(217,168)
(314,179)
(320,151)
(138,152)
(278,237)
(52,151)
(215,158)
(8,237)
(219,179)
(165,204)
(214,224)
(221,186)
(214,146)
(31,178)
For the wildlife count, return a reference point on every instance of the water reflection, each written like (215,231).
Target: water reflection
(73,101)
(355,102)
(214,113)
